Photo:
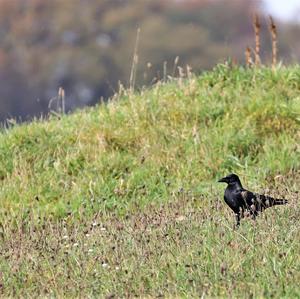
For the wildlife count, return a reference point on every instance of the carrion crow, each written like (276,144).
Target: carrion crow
(242,201)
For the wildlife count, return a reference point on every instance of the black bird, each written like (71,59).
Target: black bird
(241,200)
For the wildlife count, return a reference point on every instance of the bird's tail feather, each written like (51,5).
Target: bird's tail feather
(278,202)
(268,201)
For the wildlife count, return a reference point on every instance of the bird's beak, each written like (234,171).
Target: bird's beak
(223,180)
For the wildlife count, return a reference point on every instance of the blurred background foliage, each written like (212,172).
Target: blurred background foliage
(86,46)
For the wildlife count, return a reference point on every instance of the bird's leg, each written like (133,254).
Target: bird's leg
(237,218)
(254,216)
(253,211)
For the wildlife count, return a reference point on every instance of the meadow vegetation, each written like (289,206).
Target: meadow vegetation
(121,200)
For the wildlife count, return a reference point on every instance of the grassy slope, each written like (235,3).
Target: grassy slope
(113,200)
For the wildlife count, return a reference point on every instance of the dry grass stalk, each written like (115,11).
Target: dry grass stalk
(256,26)
(134,62)
(273,31)
(248,57)
(175,66)
(61,100)
(165,71)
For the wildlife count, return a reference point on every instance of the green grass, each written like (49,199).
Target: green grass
(122,200)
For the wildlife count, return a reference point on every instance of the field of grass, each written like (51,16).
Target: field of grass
(121,200)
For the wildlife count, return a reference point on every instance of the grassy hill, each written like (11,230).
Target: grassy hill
(122,200)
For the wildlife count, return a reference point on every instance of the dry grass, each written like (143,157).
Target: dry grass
(185,247)
(256,26)
(257,29)
(248,58)
(273,31)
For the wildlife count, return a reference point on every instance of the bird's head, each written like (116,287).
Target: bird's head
(230,179)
